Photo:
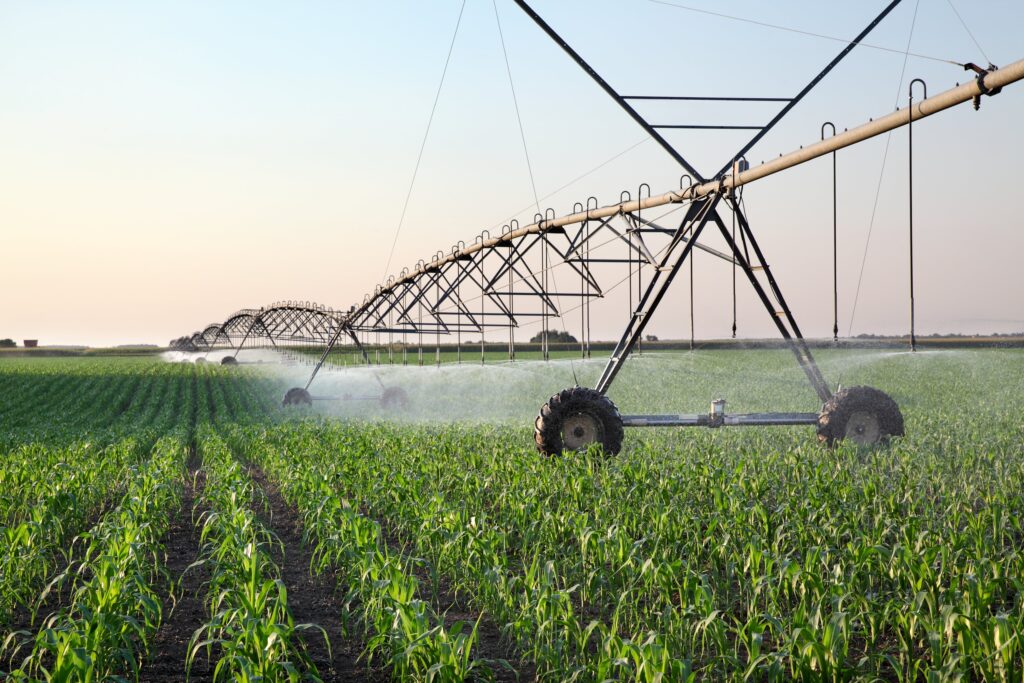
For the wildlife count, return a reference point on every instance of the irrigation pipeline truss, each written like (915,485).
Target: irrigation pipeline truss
(504,281)
(390,308)
(285,323)
(987,84)
(428,300)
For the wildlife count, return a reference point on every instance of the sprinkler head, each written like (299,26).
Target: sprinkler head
(717,415)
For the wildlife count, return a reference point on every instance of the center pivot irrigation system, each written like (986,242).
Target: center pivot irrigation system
(284,326)
(506,281)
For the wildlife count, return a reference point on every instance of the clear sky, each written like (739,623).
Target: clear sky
(163,164)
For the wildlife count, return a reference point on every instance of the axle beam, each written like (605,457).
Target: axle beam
(728,420)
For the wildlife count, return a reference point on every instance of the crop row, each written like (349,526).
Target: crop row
(721,554)
(43,513)
(117,585)
(538,608)
(59,402)
(781,566)
(382,594)
(250,631)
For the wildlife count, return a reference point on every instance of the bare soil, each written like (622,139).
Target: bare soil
(184,611)
(312,598)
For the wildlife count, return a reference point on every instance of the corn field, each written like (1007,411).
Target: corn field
(169,521)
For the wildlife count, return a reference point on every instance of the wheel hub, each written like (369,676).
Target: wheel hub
(863,428)
(579,431)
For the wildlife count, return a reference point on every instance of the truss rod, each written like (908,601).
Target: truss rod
(814,81)
(987,84)
(619,99)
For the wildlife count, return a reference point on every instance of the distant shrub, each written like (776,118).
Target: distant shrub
(554,336)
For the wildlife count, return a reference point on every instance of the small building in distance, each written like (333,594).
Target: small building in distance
(31,343)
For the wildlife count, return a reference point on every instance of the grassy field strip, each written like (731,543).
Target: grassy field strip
(45,513)
(250,633)
(381,591)
(117,585)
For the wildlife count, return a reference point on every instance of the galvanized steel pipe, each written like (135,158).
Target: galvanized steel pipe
(964,93)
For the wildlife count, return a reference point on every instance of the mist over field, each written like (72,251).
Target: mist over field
(651,382)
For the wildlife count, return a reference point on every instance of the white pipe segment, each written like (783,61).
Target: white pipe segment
(982,85)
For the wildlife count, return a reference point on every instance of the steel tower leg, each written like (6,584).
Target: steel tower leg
(697,216)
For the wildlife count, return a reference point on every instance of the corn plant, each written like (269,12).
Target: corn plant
(45,513)
(723,555)
(381,592)
(735,555)
(115,594)
(251,632)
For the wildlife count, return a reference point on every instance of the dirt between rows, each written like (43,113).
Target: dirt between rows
(287,525)
(489,644)
(184,611)
(311,598)
(446,602)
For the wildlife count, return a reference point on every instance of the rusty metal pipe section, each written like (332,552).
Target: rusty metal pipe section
(988,83)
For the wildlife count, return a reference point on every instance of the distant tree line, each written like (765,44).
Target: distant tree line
(936,335)
(554,336)
(7,344)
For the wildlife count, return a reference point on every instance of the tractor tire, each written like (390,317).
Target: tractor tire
(394,398)
(864,415)
(575,418)
(228,360)
(297,396)
(200,360)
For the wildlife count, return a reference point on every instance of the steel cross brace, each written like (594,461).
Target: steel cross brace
(342,329)
(792,335)
(697,216)
(700,212)
(248,331)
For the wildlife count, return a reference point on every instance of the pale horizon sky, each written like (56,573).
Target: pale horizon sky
(165,164)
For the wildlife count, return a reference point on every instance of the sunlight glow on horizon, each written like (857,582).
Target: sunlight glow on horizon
(165,165)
